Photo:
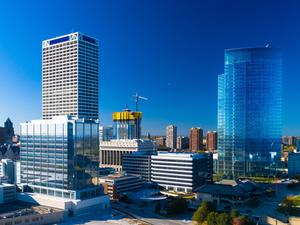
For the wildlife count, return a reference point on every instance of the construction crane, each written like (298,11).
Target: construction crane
(137,97)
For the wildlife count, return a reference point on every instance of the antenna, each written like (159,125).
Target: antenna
(137,97)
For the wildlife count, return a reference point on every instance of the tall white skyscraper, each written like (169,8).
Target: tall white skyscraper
(70,74)
(171,136)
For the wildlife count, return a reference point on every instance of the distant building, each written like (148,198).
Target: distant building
(106,133)
(70,75)
(284,140)
(171,135)
(115,185)
(211,140)
(160,141)
(196,139)
(111,152)
(8,193)
(137,164)
(10,129)
(292,140)
(127,124)
(227,192)
(69,150)
(7,168)
(182,142)
(181,172)
(294,164)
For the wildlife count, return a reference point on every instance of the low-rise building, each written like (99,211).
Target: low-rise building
(138,164)
(111,152)
(294,164)
(181,172)
(114,185)
(227,192)
(7,193)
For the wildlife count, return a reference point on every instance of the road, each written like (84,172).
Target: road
(147,215)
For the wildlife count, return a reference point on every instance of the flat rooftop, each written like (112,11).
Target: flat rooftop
(18,208)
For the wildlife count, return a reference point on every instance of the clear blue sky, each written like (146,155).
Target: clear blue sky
(169,51)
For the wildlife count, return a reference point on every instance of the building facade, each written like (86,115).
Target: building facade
(196,139)
(171,136)
(249,111)
(127,124)
(106,133)
(70,71)
(211,140)
(111,152)
(181,172)
(60,157)
(116,185)
(294,164)
(182,142)
(137,164)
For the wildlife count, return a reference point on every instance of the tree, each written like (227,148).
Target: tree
(223,219)
(234,213)
(202,212)
(212,218)
(242,220)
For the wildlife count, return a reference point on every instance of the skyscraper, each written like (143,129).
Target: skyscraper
(60,157)
(196,139)
(211,140)
(70,76)
(127,124)
(249,111)
(171,136)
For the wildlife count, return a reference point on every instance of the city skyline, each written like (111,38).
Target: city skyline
(158,64)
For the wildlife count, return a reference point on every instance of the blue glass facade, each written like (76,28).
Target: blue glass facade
(249,111)
(60,154)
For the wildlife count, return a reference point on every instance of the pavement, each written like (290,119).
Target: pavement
(105,217)
(146,214)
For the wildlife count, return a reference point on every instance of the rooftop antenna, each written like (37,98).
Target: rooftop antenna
(137,97)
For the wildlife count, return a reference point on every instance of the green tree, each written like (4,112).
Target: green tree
(202,212)
(223,219)
(212,218)
(234,213)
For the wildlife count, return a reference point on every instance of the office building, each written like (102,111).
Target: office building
(291,140)
(8,193)
(284,140)
(137,164)
(298,143)
(127,124)
(249,111)
(160,141)
(181,172)
(196,139)
(171,136)
(60,157)
(182,142)
(70,76)
(116,185)
(7,168)
(211,140)
(111,152)
(106,133)
(294,164)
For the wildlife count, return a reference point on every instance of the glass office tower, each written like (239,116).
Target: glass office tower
(60,157)
(249,111)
